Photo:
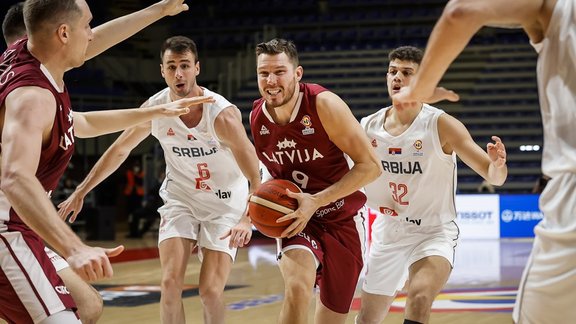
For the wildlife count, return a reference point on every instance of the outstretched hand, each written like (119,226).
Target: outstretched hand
(408,96)
(173,7)
(241,233)
(181,106)
(92,263)
(497,152)
(72,205)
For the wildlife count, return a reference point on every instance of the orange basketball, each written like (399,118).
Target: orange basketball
(271,202)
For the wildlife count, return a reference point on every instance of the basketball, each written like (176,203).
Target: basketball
(271,202)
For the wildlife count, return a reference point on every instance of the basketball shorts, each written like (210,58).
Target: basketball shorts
(399,246)
(338,249)
(547,289)
(58,261)
(179,220)
(30,288)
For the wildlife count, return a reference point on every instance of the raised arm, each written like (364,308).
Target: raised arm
(29,114)
(109,162)
(490,164)
(96,123)
(460,20)
(345,131)
(119,29)
(230,130)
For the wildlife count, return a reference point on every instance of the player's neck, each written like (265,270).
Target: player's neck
(51,62)
(404,116)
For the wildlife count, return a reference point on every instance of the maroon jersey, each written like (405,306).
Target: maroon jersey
(18,68)
(302,152)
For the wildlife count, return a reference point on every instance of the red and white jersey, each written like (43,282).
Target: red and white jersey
(302,152)
(201,172)
(18,68)
(556,79)
(418,182)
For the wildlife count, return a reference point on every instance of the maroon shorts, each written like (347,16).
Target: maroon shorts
(30,288)
(339,247)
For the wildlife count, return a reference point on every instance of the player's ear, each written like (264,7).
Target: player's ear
(63,33)
(299,72)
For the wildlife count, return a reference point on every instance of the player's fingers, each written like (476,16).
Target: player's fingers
(106,266)
(496,139)
(115,251)
(228,233)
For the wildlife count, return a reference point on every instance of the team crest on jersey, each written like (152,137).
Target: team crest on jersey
(418,147)
(170,132)
(191,137)
(264,130)
(394,150)
(307,122)
(374,143)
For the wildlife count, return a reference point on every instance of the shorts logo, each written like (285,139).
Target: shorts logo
(62,290)
(388,211)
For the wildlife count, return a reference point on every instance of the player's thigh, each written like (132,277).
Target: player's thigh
(429,275)
(298,265)
(216,266)
(174,255)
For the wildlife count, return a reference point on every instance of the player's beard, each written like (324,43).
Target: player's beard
(288,93)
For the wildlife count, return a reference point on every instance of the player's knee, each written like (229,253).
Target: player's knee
(420,301)
(171,286)
(90,308)
(364,318)
(299,290)
(210,295)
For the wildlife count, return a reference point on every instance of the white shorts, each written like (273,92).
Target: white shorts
(178,220)
(389,259)
(58,261)
(547,291)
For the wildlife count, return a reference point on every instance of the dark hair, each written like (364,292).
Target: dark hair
(40,13)
(278,46)
(406,53)
(179,45)
(13,26)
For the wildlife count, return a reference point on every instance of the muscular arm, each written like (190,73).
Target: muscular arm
(95,123)
(345,131)
(29,115)
(230,130)
(455,137)
(460,20)
(109,162)
(119,29)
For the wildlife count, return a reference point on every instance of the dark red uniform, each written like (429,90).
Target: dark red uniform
(302,152)
(30,289)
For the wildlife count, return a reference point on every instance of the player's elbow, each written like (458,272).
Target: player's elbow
(458,12)
(10,180)
(375,170)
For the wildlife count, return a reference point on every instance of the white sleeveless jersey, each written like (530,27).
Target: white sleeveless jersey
(556,71)
(201,172)
(419,179)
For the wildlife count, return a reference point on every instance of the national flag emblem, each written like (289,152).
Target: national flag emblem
(191,137)
(394,150)
(170,132)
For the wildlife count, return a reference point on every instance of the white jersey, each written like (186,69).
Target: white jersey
(419,179)
(200,171)
(556,71)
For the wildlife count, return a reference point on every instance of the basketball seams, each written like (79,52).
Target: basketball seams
(271,205)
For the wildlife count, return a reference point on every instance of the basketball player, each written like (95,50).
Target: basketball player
(208,159)
(302,132)
(416,236)
(548,287)
(37,142)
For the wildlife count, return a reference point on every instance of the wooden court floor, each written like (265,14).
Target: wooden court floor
(482,287)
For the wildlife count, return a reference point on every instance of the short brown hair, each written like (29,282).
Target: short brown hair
(13,26)
(406,53)
(277,46)
(179,45)
(40,13)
